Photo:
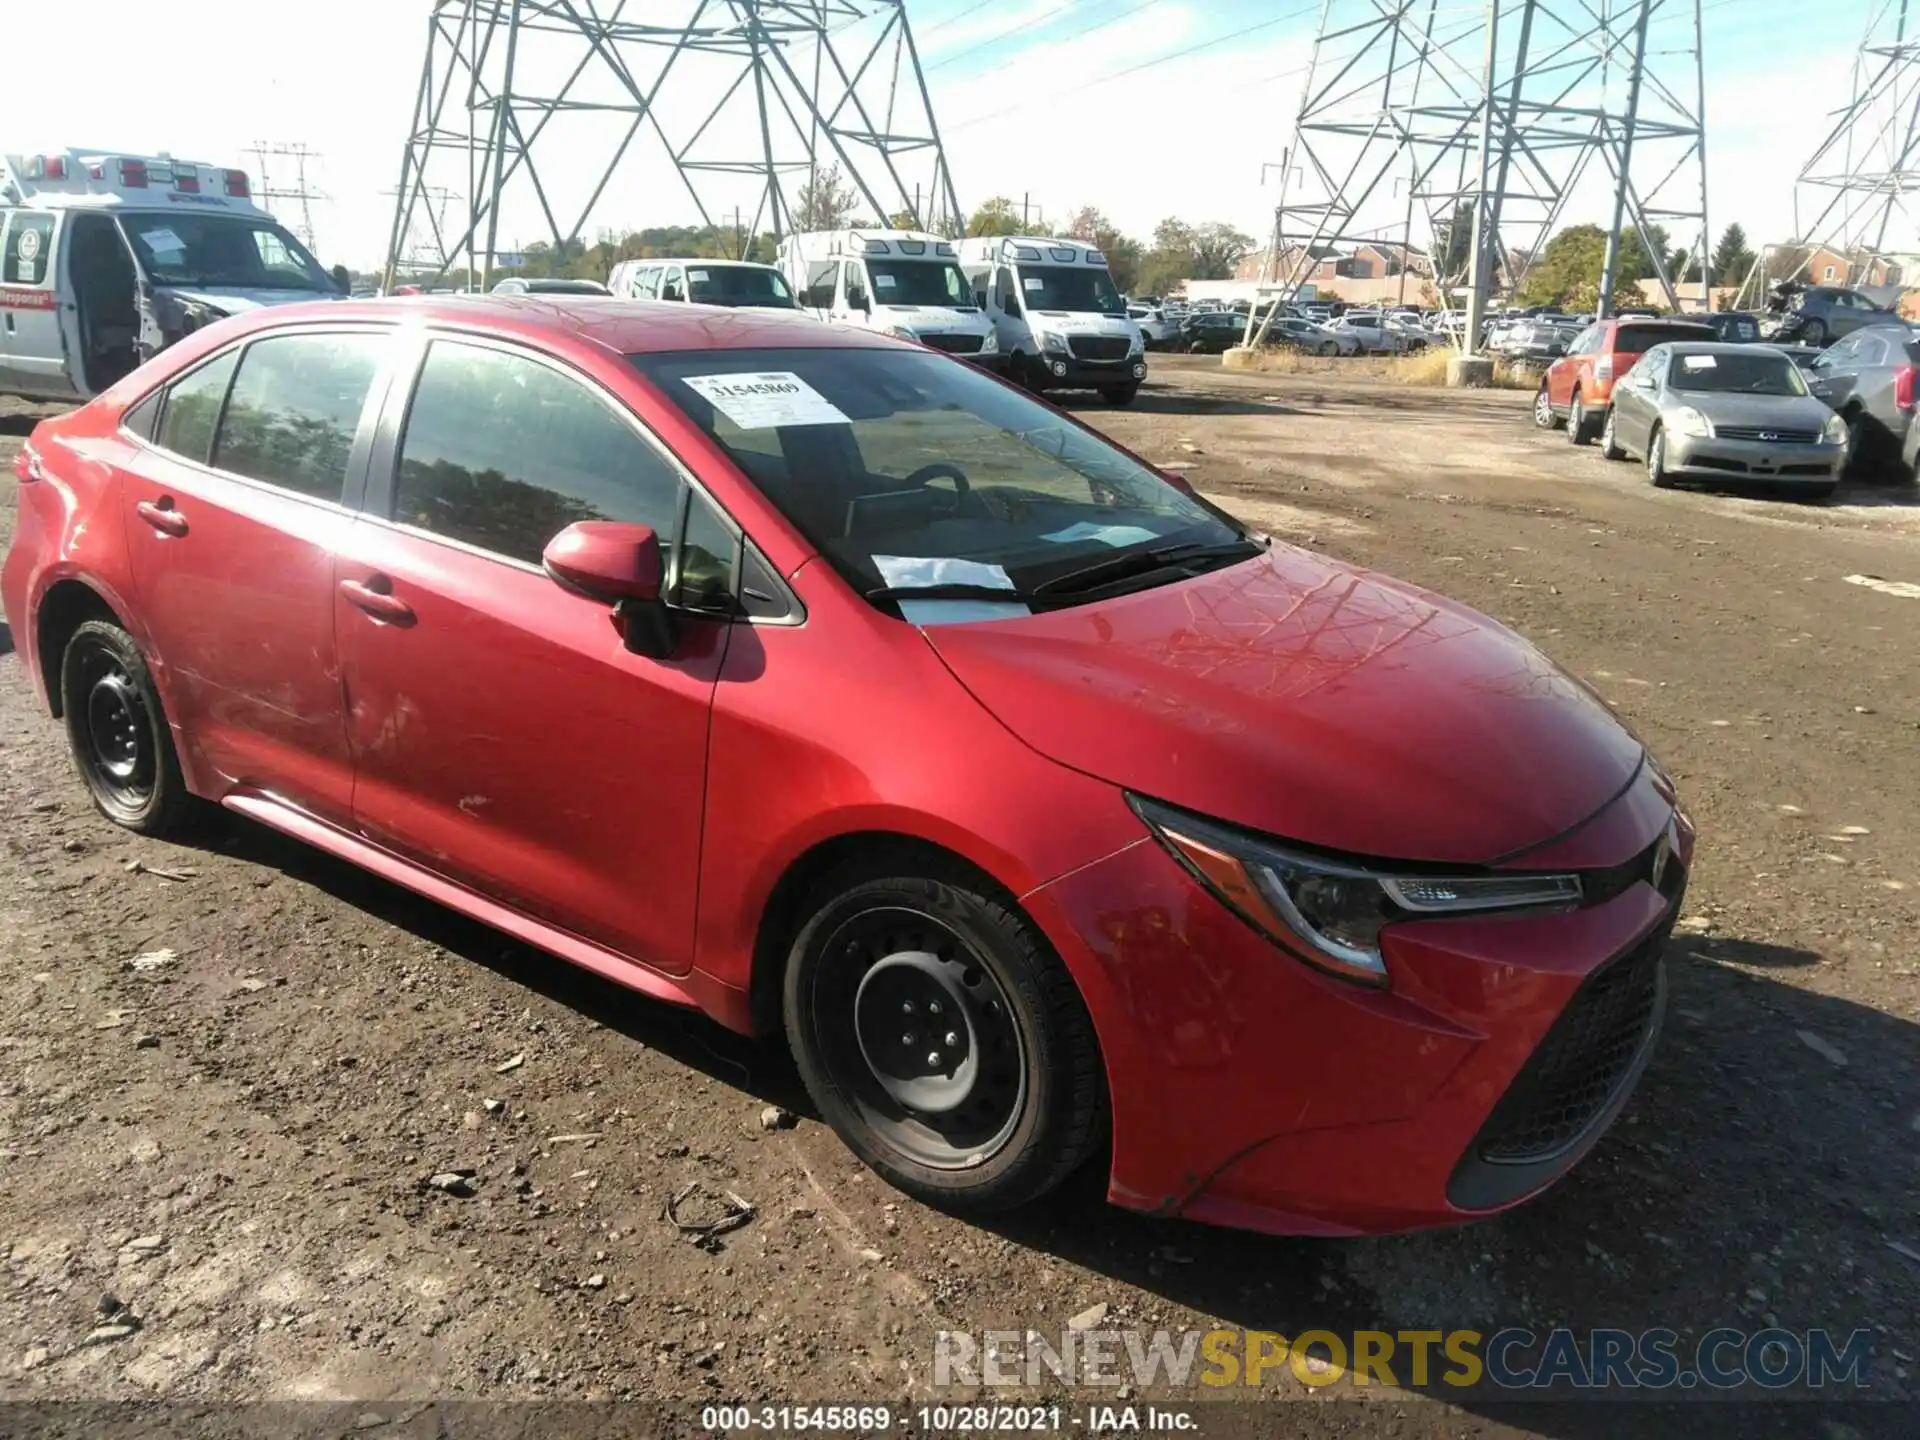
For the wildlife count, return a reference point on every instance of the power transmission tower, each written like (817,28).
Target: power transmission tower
(425,242)
(1851,197)
(1458,132)
(296,192)
(539,113)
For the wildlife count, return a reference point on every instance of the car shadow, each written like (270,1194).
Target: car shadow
(6,638)
(1157,401)
(14,423)
(1751,1179)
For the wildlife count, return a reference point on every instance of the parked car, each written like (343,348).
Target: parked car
(1735,327)
(1712,411)
(1577,387)
(1375,335)
(1821,314)
(1157,330)
(697,281)
(1212,332)
(1868,379)
(1536,342)
(1316,339)
(641,672)
(538,286)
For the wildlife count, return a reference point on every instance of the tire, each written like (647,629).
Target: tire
(1121,395)
(1610,442)
(1814,332)
(1812,493)
(1579,427)
(1031,374)
(1327,347)
(118,733)
(1861,462)
(1657,461)
(1543,416)
(885,948)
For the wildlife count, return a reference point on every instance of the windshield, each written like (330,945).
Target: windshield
(1070,287)
(908,470)
(223,250)
(737,285)
(1748,372)
(919,282)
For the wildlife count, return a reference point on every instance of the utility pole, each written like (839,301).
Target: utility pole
(1609,271)
(1485,221)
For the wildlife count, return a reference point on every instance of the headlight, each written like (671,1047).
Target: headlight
(899,331)
(1139,343)
(990,345)
(1054,343)
(1689,421)
(1834,432)
(1330,912)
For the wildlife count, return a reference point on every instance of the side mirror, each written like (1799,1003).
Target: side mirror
(610,560)
(861,303)
(1177,480)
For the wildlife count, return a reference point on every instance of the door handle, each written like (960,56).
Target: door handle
(381,604)
(162,516)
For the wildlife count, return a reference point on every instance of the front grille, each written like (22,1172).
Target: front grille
(1099,347)
(954,344)
(1765,433)
(1579,1067)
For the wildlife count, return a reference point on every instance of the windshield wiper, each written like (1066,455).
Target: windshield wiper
(950,591)
(1135,563)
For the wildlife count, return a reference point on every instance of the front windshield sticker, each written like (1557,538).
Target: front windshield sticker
(1697,362)
(1034,282)
(901,571)
(163,239)
(882,280)
(766,402)
(1115,535)
(696,275)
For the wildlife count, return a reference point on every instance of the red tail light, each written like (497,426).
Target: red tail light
(190,184)
(237,185)
(54,167)
(1903,386)
(133,174)
(1603,367)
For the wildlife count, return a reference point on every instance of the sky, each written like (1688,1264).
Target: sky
(1145,108)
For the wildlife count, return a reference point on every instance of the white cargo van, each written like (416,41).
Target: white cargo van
(736,283)
(1059,316)
(900,282)
(105,260)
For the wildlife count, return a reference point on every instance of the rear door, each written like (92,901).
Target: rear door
(233,517)
(33,341)
(1835,370)
(503,735)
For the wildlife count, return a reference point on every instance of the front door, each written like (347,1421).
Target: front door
(232,521)
(504,737)
(34,358)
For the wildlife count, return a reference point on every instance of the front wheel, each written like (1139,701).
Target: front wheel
(1120,394)
(118,732)
(1657,461)
(1328,347)
(1543,416)
(1814,332)
(1610,448)
(943,1039)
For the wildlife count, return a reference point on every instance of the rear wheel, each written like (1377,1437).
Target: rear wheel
(1814,332)
(118,732)
(943,1039)
(1579,427)
(1327,347)
(1860,458)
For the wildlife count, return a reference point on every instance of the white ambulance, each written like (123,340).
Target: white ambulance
(900,282)
(105,260)
(1061,320)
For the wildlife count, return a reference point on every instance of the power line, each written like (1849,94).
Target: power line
(1158,60)
(1049,18)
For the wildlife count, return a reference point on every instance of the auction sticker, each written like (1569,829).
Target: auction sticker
(767,401)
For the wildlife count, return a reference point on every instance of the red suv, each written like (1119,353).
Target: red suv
(825,684)
(1578,387)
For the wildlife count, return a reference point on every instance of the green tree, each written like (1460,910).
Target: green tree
(1217,248)
(997,216)
(825,202)
(1091,225)
(1568,270)
(1732,257)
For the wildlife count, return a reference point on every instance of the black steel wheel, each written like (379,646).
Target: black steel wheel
(118,731)
(943,1039)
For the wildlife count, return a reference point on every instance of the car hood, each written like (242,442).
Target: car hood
(1796,412)
(1311,701)
(237,301)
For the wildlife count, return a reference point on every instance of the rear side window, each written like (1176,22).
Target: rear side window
(193,408)
(502,453)
(1637,339)
(29,252)
(294,409)
(820,277)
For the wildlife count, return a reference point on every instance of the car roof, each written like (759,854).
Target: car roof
(623,327)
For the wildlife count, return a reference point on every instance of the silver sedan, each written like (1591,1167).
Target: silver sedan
(1701,411)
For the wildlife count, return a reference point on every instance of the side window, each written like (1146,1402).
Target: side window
(643,285)
(1005,288)
(856,285)
(502,453)
(1873,351)
(193,408)
(140,419)
(1588,343)
(821,276)
(704,580)
(673,285)
(29,252)
(294,408)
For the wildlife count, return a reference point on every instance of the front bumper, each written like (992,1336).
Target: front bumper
(1065,372)
(1253,1091)
(1711,457)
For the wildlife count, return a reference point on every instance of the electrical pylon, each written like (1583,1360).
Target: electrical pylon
(547,116)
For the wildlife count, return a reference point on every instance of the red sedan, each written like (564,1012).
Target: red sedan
(825,684)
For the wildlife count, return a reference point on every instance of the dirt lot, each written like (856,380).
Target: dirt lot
(233,1140)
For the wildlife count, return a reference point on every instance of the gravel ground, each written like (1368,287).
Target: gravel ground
(229,1073)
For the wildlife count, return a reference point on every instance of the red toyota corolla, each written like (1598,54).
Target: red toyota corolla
(825,684)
